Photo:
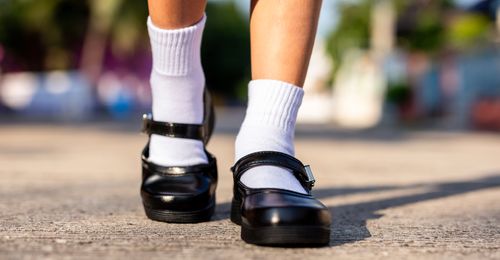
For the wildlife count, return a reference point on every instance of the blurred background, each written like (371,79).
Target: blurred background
(390,63)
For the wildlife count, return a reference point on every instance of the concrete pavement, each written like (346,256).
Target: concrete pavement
(72,192)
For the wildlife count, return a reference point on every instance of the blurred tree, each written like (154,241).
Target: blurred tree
(226,50)
(352,31)
(39,35)
(398,94)
(101,20)
(421,25)
(129,32)
(87,35)
(70,20)
(469,30)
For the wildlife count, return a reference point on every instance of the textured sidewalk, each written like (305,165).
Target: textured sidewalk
(73,192)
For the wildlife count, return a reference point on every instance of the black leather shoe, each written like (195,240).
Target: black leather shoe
(179,194)
(278,217)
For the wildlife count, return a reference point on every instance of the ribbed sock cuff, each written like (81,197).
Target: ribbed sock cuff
(176,52)
(273,103)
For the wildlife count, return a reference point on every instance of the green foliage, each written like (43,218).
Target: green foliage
(48,34)
(129,30)
(468,30)
(33,30)
(398,93)
(427,33)
(421,26)
(226,50)
(353,30)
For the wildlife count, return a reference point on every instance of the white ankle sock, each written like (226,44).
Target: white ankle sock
(269,125)
(177,83)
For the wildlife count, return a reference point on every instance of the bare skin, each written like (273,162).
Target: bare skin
(174,14)
(282,36)
(282,33)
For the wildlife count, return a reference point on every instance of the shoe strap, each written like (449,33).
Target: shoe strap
(200,132)
(302,172)
(190,131)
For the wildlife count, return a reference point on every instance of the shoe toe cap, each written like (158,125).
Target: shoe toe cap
(271,209)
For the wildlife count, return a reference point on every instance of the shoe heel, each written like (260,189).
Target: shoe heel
(236,211)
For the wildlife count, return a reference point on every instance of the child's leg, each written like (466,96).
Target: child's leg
(176,14)
(177,80)
(282,36)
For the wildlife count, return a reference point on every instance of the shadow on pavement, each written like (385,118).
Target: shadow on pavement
(349,221)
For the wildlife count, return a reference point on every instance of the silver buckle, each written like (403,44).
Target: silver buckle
(310,177)
(146,119)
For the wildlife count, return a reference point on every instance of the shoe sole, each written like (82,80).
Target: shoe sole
(289,236)
(283,236)
(170,216)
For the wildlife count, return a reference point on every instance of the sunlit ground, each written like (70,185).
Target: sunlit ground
(73,191)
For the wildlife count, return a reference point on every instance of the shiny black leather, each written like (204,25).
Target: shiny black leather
(201,131)
(181,194)
(190,131)
(270,216)
(187,191)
